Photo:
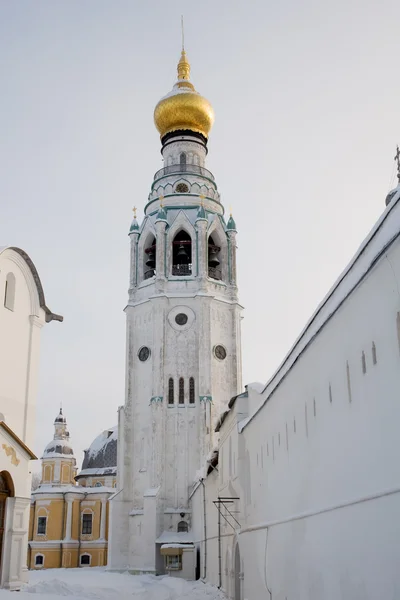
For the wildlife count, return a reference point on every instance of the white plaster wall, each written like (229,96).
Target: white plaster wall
(19,350)
(325,479)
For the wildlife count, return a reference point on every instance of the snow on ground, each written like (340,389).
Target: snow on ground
(98,584)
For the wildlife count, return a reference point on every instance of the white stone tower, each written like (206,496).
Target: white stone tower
(183,361)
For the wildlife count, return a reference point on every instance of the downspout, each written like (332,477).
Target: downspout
(219,546)
(62,531)
(80,528)
(205,530)
(32,526)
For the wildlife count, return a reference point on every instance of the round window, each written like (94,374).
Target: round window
(144,353)
(181,319)
(220,352)
(182,188)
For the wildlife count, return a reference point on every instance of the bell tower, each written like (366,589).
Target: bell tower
(183,357)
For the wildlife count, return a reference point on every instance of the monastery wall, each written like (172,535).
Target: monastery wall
(315,463)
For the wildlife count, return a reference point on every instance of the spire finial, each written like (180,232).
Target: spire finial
(397,159)
(134,212)
(183,34)
(161,198)
(230,210)
(202,198)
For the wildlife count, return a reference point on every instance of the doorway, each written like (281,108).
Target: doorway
(4,494)
(238,575)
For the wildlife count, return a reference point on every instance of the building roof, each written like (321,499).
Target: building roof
(102,452)
(50,316)
(58,448)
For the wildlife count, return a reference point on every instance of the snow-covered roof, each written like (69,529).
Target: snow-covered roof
(58,449)
(102,453)
(174,537)
(385,231)
(50,316)
(75,489)
(100,472)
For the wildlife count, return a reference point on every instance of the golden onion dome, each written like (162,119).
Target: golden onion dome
(183,108)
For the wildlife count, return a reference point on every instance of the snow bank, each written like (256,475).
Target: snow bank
(99,584)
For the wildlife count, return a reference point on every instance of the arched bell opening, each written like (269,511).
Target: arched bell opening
(150,258)
(182,254)
(214,262)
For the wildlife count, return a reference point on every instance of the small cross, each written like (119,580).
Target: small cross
(397,159)
(202,198)
(161,198)
(134,212)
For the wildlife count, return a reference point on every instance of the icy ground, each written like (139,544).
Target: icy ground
(98,584)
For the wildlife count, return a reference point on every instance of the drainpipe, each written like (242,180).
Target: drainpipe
(219,546)
(32,527)
(62,530)
(205,530)
(80,528)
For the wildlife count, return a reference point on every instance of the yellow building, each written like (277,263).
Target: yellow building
(69,521)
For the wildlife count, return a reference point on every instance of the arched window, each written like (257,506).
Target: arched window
(170,391)
(182,161)
(85,559)
(182,526)
(214,269)
(191,390)
(97,484)
(182,254)
(150,259)
(9,292)
(181,391)
(87,523)
(39,560)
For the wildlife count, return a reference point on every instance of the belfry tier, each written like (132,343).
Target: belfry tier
(184,234)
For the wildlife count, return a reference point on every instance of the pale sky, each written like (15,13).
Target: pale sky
(306,96)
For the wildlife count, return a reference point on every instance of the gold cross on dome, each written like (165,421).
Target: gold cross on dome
(134,212)
(397,159)
(202,198)
(161,198)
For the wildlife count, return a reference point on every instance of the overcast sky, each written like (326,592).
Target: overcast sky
(306,96)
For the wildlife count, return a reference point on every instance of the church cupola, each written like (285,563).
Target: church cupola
(183,110)
(58,460)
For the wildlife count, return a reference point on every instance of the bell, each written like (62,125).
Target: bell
(182,257)
(150,262)
(213,260)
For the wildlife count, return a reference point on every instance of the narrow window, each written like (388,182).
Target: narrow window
(170,391)
(39,560)
(348,380)
(363,363)
(85,559)
(41,527)
(294,425)
(87,523)
(315,408)
(182,161)
(191,390)
(330,393)
(181,391)
(182,526)
(374,359)
(279,439)
(9,292)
